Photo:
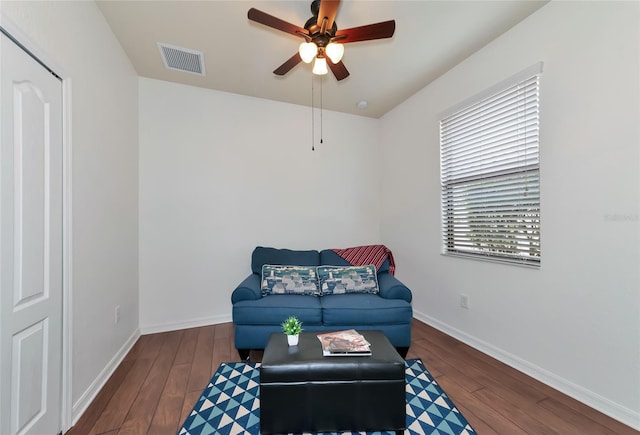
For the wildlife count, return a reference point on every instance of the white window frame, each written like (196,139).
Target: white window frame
(490,173)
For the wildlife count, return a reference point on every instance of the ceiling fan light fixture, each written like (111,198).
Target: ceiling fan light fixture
(335,52)
(308,51)
(320,66)
(322,30)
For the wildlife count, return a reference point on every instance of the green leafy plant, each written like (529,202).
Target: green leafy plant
(292,326)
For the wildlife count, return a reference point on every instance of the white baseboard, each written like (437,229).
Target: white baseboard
(90,394)
(191,323)
(614,410)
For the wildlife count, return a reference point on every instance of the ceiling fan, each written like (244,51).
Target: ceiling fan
(323,41)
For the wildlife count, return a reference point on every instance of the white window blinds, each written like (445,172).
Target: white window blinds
(490,176)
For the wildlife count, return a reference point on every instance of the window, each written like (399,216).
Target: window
(490,174)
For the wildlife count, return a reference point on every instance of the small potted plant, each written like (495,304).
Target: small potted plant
(292,327)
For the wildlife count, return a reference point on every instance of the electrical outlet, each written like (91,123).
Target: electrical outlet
(117,318)
(464,301)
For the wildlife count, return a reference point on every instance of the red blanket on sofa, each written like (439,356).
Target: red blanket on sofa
(369,254)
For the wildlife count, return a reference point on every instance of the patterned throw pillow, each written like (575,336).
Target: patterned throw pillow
(299,280)
(348,279)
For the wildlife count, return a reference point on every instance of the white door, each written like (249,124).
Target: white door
(30,245)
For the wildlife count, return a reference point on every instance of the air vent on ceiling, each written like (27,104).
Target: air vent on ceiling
(182,59)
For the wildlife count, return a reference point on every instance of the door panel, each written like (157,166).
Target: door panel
(31,226)
(29,366)
(30,245)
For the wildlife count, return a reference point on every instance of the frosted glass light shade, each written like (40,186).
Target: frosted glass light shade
(308,51)
(320,66)
(335,52)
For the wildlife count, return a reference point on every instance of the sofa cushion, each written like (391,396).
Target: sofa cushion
(347,279)
(364,309)
(289,280)
(328,257)
(262,255)
(273,310)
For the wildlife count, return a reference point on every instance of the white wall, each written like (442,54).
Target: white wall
(75,36)
(221,173)
(575,322)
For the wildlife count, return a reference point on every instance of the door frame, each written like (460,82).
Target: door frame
(26,43)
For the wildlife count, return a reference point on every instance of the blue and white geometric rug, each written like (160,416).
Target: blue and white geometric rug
(231,404)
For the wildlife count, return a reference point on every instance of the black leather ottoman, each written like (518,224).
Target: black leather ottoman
(303,391)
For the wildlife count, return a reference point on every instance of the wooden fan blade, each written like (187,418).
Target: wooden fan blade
(328,9)
(338,69)
(381,30)
(276,23)
(286,67)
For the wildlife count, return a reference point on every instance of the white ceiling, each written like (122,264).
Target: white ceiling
(431,37)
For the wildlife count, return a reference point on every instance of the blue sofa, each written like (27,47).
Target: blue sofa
(257,316)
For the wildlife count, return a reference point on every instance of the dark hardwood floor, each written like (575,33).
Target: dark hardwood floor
(159,381)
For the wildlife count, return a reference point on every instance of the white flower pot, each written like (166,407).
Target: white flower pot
(292,340)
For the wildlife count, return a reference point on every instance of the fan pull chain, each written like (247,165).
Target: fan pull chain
(313,122)
(313,135)
(321,130)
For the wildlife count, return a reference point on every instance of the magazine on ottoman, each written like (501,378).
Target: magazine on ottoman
(344,343)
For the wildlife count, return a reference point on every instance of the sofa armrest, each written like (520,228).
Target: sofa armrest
(392,288)
(249,289)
